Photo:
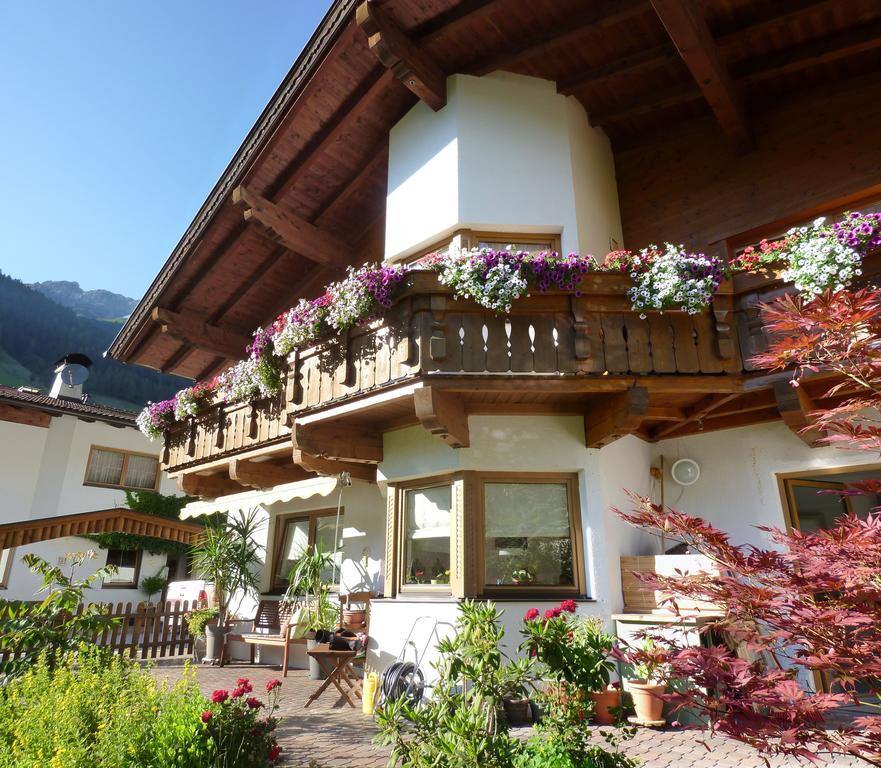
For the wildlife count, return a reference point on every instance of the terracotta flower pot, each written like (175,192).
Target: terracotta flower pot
(647,700)
(518,711)
(354,617)
(603,703)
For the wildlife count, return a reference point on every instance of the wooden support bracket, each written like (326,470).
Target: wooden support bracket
(207,486)
(414,67)
(192,329)
(262,474)
(794,406)
(330,467)
(442,414)
(616,416)
(337,443)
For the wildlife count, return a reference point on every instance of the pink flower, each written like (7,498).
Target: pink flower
(254,703)
(569,606)
(207,715)
(218,697)
(272,685)
(549,613)
(531,614)
(274,753)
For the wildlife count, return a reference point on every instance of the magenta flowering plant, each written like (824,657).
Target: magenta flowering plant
(156,418)
(361,295)
(193,400)
(242,726)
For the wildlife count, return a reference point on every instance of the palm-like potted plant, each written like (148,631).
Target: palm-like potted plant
(228,555)
(306,585)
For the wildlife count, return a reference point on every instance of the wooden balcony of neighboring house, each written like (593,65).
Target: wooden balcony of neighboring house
(433,359)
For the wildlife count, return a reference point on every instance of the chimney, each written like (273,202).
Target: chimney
(70,373)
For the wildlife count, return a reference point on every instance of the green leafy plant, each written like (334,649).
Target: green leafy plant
(306,584)
(647,666)
(228,555)
(51,627)
(196,620)
(152,585)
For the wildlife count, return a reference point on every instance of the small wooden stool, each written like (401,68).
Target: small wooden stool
(337,665)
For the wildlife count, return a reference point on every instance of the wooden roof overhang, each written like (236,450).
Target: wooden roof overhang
(311,174)
(116,520)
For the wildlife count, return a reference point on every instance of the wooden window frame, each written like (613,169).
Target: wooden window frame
(125,584)
(278,531)
(125,457)
(467,541)
(470,238)
(570,480)
(7,569)
(791,509)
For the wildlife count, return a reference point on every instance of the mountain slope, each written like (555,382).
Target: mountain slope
(35,331)
(97,304)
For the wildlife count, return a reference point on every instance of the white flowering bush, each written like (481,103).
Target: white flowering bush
(248,380)
(192,400)
(299,326)
(819,261)
(494,279)
(672,278)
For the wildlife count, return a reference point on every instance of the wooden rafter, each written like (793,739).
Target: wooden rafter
(679,93)
(442,414)
(410,64)
(626,66)
(695,413)
(616,416)
(193,330)
(293,232)
(794,406)
(117,520)
(451,21)
(30,417)
(342,443)
(263,474)
(365,472)
(688,30)
(207,486)
(594,17)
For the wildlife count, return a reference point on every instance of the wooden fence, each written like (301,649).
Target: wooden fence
(141,631)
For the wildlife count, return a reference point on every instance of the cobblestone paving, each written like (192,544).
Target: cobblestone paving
(330,734)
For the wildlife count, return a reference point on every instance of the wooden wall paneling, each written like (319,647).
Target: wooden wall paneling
(707,349)
(545,357)
(473,353)
(614,343)
(496,343)
(661,341)
(522,358)
(685,346)
(638,349)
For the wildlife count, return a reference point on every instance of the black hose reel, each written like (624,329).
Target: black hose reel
(403,679)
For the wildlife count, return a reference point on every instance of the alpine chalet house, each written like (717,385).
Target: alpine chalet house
(490,406)
(67,464)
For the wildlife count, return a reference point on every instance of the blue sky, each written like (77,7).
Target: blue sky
(116,119)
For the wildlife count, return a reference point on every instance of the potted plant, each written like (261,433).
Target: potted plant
(151,585)
(196,623)
(442,578)
(228,556)
(523,575)
(648,685)
(307,586)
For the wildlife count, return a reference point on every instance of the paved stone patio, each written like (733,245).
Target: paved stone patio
(330,734)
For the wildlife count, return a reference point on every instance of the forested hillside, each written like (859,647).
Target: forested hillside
(36,331)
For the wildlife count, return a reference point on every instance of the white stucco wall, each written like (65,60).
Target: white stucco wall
(738,487)
(43,477)
(506,154)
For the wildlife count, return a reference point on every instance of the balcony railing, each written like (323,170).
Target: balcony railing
(429,333)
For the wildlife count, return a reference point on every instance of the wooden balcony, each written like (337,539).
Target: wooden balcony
(434,359)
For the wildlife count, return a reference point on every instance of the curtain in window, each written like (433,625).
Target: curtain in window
(140,472)
(126,561)
(105,467)
(428,535)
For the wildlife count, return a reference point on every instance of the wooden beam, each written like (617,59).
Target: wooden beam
(329,467)
(192,329)
(716,422)
(342,443)
(207,486)
(30,417)
(616,416)
(442,414)
(415,68)
(794,406)
(293,232)
(263,474)
(663,413)
(697,412)
(661,98)
(688,30)
(595,17)
(626,66)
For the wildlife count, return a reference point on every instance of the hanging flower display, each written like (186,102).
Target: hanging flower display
(816,258)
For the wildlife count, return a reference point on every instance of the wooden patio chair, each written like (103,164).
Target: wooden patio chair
(275,624)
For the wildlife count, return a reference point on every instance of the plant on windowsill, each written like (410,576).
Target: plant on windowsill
(523,575)
(442,578)
(228,556)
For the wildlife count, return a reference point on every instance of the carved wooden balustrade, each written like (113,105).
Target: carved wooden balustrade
(430,334)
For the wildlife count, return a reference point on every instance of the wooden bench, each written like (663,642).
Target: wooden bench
(270,626)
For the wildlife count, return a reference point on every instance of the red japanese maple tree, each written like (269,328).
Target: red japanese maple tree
(813,603)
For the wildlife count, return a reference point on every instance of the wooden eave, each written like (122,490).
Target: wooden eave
(116,520)
(318,152)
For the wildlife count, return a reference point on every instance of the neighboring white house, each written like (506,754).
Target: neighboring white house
(63,455)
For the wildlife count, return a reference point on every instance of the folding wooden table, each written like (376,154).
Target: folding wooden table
(337,665)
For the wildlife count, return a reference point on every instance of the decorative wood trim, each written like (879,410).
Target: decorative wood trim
(415,68)
(337,442)
(391,539)
(125,457)
(794,406)
(616,416)
(442,414)
(193,330)
(30,417)
(292,231)
(688,30)
(263,474)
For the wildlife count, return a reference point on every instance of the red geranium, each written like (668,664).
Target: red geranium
(218,697)
(274,752)
(531,615)
(569,606)
(207,715)
(272,685)
(254,703)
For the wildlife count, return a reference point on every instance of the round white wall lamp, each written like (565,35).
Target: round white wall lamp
(685,472)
